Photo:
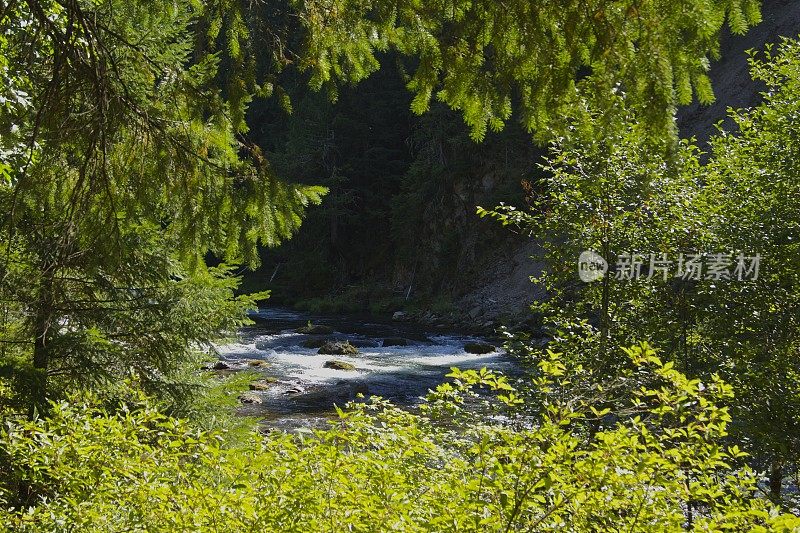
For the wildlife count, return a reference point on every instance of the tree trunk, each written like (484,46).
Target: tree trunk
(775,481)
(42,333)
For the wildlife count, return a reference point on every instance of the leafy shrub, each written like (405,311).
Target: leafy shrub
(382,468)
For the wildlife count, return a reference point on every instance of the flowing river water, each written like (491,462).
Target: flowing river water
(304,391)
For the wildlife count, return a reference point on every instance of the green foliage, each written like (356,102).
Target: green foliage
(554,60)
(616,195)
(379,467)
(137,131)
(125,169)
(436,233)
(356,148)
(751,202)
(109,327)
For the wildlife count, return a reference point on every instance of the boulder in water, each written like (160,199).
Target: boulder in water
(478,347)
(221,365)
(257,363)
(395,341)
(314,329)
(338,348)
(339,365)
(314,343)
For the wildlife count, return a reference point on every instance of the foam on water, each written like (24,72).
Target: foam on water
(306,390)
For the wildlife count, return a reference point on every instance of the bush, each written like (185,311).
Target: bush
(381,468)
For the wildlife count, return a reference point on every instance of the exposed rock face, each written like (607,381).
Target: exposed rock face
(504,289)
(338,348)
(339,365)
(478,348)
(399,315)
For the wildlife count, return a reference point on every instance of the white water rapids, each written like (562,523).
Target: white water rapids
(306,391)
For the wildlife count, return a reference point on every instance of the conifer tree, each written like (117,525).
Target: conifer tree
(124,165)
(554,60)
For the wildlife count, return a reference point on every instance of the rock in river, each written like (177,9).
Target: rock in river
(314,329)
(338,348)
(314,343)
(395,341)
(365,343)
(478,347)
(339,365)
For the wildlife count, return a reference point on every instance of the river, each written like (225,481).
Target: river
(305,391)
